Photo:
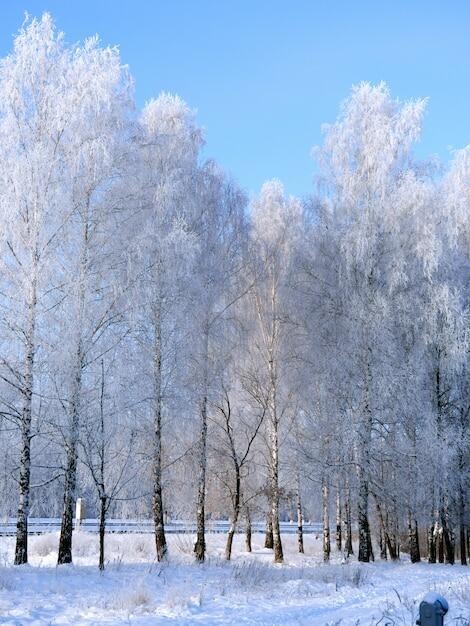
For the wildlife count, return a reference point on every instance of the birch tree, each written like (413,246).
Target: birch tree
(165,248)
(275,226)
(46,93)
(221,231)
(91,244)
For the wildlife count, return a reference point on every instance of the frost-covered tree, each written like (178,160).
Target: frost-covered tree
(374,196)
(50,96)
(91,243)
(164,251)
(275,227)
(217,285)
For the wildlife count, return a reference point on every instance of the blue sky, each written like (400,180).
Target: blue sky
(265,74)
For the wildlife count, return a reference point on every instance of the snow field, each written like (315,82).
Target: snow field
(137,590)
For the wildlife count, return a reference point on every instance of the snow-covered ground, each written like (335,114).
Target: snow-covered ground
(136,590)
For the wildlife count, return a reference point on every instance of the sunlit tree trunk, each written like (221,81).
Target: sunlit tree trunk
(200,545)
(235,512)
(326,519)
(300,532)
(65,540)
(158,511)
(365,432)
(277,544)
(348,545)
(247,530)
(268,536)
(413,538)
(21,549)
(462,528)
(102,529)
(338,534)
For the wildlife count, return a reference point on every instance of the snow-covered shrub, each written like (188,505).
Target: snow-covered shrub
(85,544)
(136,596)
(184,544)
(43,545)
(402,610)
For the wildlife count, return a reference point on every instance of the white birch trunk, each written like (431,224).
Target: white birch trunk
(326,520)
(21,549)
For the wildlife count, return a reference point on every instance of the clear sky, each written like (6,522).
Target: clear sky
(265,74)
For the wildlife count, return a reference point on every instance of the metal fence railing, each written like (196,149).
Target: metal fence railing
(39,526)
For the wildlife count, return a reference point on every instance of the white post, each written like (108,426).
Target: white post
(79,512)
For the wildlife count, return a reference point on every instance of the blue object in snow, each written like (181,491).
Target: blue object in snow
(432,610)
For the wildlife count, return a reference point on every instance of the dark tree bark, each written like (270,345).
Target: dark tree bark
(348,545)
(268,538)
(462,517)
(158,511)
(440,545)
(70,485)
(21,548)
(103,507)
(382,544)
(338,533)
(66,528)
(413,539)
(200,545)
(363,520)
(247,530)
(235,513)
(274,491)
(432,548)
(326,520)
(300,533)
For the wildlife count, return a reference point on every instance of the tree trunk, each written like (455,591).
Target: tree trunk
(365,434)
(66,528)
(462,520)
(274,487)
(468,541)
(300,533)
(338,535)
(348,545)
(21,548)
(277,543)
(363,519)
(440,545)
(462,528)
(448,536)
(413,539)
(103,504)
(268,538)
(432,548)
(326,520)
(247,530)
(371,551)
(235,514)
(382,544)
(382,531)
(389,537)
(200,545)
(158,512)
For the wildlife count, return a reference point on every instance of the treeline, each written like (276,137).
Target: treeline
(169,349)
